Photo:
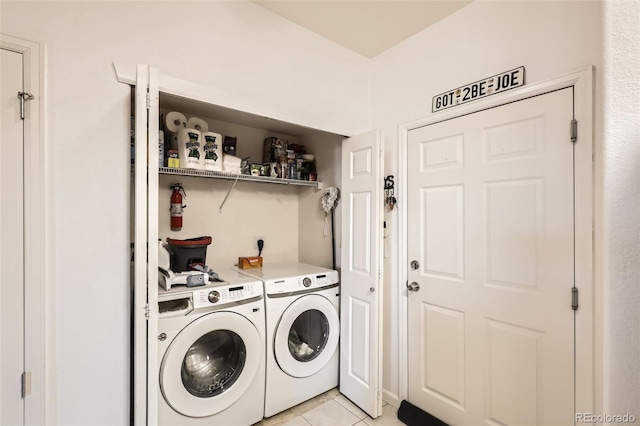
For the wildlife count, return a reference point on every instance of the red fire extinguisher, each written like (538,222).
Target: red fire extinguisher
(176,206)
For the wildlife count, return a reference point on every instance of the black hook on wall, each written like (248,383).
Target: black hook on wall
(389,192)
(388,182)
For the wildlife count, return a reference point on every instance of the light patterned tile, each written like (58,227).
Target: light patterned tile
(389,417)
(330,414)
(312,403)
(278,419)
(296,421)
(346,403)
(331,393)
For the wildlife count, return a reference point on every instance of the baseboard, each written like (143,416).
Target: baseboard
(390,398)
(411,415)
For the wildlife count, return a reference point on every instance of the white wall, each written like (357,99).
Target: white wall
(314,246)
(251,210)
(620,232)
(288,217)
(252,59)
(479,40)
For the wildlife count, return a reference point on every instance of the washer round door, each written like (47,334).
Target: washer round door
(306,336)
(210,364)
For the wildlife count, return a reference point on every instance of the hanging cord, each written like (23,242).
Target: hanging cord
(229,192)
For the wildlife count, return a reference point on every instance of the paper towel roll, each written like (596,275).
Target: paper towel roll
(160,148)
(198,124)
(231,161)
(212,150)
(190,148)
(174,121)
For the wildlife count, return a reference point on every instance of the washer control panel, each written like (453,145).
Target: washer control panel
(304,282)
(318,280)
(212,296)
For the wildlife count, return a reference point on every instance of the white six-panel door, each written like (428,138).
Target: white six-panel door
(361,282)
(491,228)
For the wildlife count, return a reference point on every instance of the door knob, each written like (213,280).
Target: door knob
(414,286)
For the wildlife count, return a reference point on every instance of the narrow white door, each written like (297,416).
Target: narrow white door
(361,282)
(491,231)
(145,278)
(11,241)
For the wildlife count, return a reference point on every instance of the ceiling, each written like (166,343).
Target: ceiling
(364,26)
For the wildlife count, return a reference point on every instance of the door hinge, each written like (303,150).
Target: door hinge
(148,100)
(146,311)
(26,384)
(574,298)
(574,130)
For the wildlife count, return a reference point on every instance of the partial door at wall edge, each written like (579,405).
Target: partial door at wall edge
(491,228)
(12,241)
(145,270)
(22,182)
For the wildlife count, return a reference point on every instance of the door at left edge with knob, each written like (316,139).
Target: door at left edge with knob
(11,238)
(23,313)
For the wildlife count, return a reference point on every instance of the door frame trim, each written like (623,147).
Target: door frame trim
(588,335)
(38,347)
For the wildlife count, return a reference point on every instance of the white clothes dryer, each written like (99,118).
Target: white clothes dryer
(211,353)
(303,328)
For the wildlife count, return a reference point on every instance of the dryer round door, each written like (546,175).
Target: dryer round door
(210,364)
(307,336)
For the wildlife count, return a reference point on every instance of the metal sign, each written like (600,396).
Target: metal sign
(489,86)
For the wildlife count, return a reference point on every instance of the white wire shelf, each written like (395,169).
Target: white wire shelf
(234,176)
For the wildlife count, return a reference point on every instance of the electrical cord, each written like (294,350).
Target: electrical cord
(260,246)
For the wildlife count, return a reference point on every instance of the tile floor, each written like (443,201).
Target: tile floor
(331,409)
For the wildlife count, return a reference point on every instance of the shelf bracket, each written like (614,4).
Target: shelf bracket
(228,192)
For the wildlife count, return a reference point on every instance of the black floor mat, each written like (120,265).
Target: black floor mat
(411,415)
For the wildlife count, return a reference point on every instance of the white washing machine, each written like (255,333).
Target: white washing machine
(303,328)
(211,352)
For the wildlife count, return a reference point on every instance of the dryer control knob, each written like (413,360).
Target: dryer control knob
(214,296)
(306,281)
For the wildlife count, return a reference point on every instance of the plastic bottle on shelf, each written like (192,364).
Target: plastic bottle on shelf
(292,169)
